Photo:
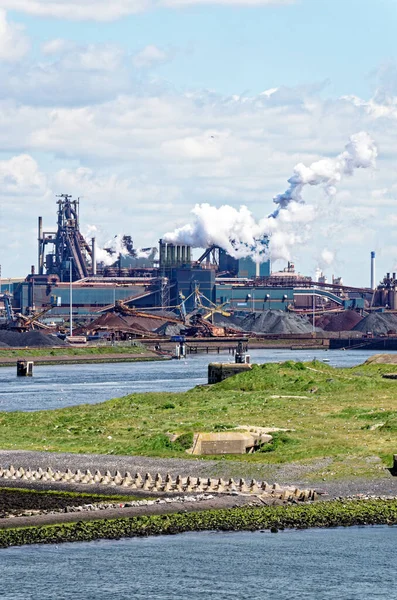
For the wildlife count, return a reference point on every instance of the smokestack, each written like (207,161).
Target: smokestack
(162,246)
(169,256)
(373,270)
(93,255)
(257,270)
(40,253)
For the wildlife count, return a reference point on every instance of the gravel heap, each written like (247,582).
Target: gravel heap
(30,339)
(170,329)
(343,321)
(378,323)
(277,322)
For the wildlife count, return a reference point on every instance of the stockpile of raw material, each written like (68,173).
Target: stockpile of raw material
(378,324)
(30,339)
(170,329)
(342,321)
(275,322)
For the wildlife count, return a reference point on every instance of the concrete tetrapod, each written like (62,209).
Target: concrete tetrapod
(159,485)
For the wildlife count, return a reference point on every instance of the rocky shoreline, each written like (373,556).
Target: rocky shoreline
(335,513)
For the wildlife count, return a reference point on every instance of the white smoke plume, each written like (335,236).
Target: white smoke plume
(109,252)
(360,153)
(237,231)
(327,257)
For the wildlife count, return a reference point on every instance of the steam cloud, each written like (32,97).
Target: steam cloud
(237,231)
(360,153)
(119,244)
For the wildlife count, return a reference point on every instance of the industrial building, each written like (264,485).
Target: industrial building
(68,269)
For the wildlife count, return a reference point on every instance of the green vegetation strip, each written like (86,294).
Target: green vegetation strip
(67,351)
(321,514)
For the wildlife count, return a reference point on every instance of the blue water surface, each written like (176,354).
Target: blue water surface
(344,563)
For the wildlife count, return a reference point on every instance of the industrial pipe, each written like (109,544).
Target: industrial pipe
(40,250)
(162,253)
(373,270)
(93,256)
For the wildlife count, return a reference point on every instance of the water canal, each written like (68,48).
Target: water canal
(68,385)
(344,564)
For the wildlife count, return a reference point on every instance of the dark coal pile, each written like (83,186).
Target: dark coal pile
(343,321)
(30,339)
(275,322)
(378,324)
(170,329)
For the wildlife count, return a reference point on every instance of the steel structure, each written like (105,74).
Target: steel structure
(66,243)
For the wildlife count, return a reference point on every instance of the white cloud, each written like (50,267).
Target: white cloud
(21,176)
(14,44)
(56,46)
(110,10)
(149,56)
(179,3)
(70,74)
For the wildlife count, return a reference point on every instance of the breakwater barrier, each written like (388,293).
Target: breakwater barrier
(158,484)
(375,343)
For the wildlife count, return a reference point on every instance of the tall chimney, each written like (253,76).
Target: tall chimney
(93,255)
(373,276)
(40,252)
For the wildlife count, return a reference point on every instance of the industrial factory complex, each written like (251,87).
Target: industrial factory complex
(74,277)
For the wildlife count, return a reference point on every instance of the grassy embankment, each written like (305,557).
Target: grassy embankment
(321,514)
(346,415)
(86,354)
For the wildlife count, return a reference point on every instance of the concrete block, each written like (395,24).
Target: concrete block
(218,372)
(242,486)
(254,487)
(148,482)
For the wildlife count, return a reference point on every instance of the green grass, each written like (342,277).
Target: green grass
(67,351)
(331,412)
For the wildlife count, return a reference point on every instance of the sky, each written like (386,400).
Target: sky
(145,108)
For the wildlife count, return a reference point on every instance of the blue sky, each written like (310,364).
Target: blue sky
(241,49)
(148,113)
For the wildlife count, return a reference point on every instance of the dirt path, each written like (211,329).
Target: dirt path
(128,512)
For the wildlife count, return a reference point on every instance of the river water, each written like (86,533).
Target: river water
(338,564)
(68,385)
